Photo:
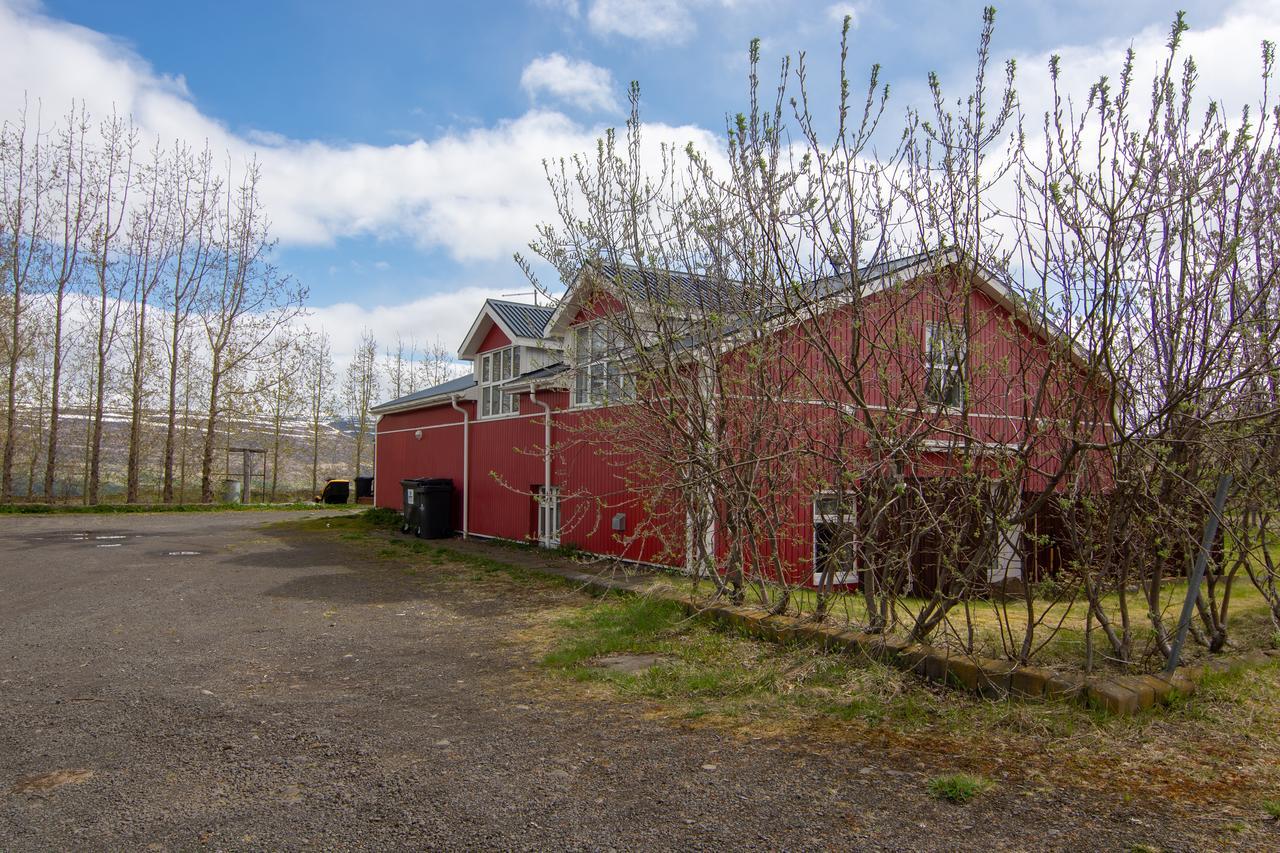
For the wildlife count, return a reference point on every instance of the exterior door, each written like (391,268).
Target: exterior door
(548,517)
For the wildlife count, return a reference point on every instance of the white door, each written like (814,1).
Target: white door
(548,517)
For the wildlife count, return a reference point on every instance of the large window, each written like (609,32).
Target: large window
(496,368)
(946,354)
(599,376)
(835,546)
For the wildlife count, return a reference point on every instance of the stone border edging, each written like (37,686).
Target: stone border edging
(1122,695)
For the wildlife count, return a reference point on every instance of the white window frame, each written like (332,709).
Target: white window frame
(599,378)
(822,517)
(951,365)
(493,369)
(549,519)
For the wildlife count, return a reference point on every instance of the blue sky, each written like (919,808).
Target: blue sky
(401,140)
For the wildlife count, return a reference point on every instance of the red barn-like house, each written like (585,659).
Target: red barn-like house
(499,432)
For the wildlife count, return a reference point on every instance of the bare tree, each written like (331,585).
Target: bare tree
(194,188)
(148,253)
(23,202)
(245,303)
(285,396)
(74,213)
(320,377)
(360,392)
(115,181)
(398,368)
(982,356)
(433,365)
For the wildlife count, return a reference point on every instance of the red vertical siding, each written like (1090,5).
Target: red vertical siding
(506,453)
(494,339)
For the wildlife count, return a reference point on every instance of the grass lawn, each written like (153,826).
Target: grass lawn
(1059,639)
(1217,751)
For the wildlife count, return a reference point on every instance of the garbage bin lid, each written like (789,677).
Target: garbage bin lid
(437,483)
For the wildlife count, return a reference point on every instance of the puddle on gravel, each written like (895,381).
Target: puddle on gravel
(94,538)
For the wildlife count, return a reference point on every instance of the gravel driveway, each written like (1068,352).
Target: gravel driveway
(211,682)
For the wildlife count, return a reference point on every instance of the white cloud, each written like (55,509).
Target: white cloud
(646,20)
(837,12)
(440,316)
(577,82)
(1228,59)
(476,193)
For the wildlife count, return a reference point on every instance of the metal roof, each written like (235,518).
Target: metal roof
(527,321)
(453,386)
(710,292)
(541,373)
(663,285)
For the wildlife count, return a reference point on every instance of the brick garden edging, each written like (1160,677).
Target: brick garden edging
(1123,695)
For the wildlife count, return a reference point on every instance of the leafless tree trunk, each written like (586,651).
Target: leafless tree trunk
(320,378)
(23,186)
(115,171)
(148,251)
(360,391)
(76,199)
(245,304)
(194,187)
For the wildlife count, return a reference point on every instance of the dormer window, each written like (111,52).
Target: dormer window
(496,368)
(599,377)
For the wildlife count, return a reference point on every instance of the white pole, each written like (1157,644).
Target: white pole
(546,464)
(466,464)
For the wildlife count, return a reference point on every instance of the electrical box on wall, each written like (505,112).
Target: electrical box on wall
(620,521)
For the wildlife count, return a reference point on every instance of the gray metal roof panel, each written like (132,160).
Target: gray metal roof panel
(541,373)
(527,321)
(453,386)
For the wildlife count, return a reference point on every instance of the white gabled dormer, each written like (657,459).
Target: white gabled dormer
(506,341)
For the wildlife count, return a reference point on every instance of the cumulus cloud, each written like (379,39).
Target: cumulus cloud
(577,82)
(476,193)
(1228,57)
(443,317)
(837,12)
(646,20)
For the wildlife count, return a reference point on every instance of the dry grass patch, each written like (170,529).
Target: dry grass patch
(1220,747)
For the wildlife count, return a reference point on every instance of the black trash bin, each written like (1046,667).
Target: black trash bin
(411,490)
(364,487)
(436,513)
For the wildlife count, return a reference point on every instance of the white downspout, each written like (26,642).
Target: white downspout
(546,451)
(466,464)
(376,421)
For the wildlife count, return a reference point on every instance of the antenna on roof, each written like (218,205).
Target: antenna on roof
(532,293)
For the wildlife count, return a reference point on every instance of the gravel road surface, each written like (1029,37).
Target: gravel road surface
(203,681)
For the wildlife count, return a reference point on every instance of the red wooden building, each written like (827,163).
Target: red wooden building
(508,433)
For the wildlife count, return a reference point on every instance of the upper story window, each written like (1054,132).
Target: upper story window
(599,375)
(495,368)
(946,354)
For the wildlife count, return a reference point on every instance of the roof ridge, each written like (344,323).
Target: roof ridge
(520,304)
